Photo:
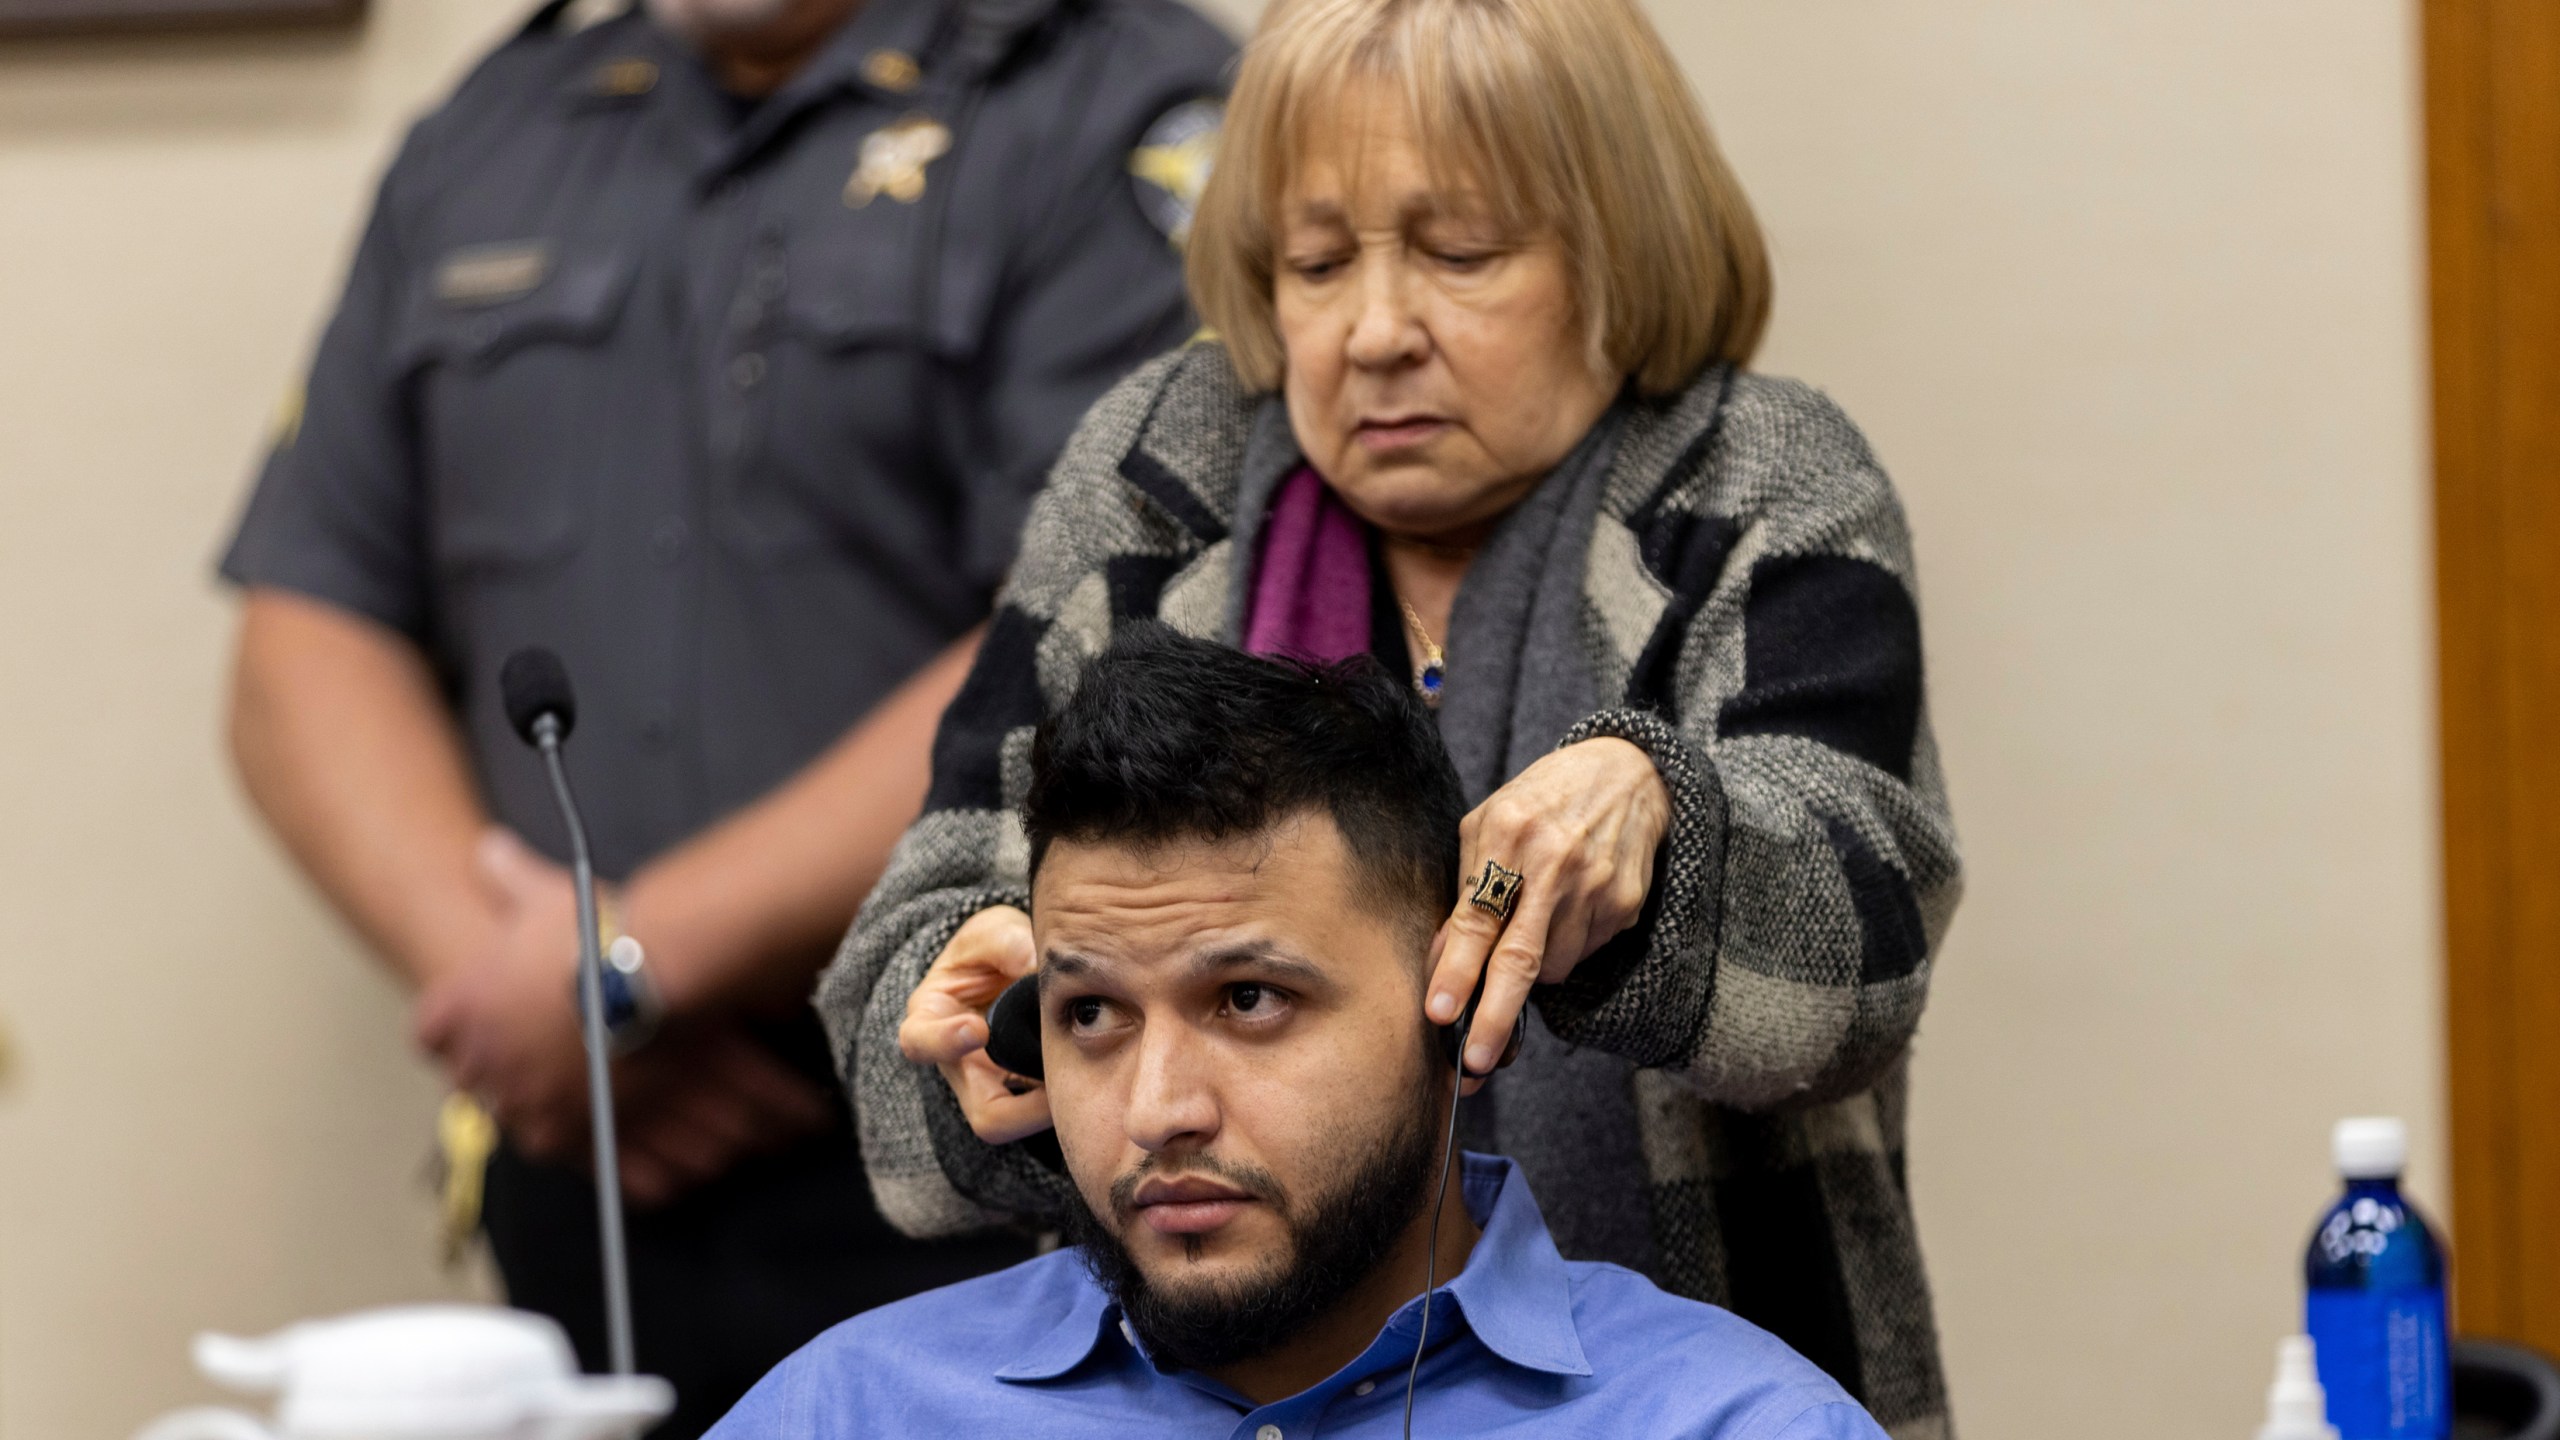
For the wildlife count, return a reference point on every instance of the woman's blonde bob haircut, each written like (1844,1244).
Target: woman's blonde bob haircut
(1567,116)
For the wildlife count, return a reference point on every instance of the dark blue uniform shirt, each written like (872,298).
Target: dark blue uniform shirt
(737,406)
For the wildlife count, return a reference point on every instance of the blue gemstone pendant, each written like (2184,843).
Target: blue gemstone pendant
(1426,678)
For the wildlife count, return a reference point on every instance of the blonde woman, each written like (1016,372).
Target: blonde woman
(1484,290)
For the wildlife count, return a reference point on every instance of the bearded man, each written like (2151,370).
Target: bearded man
(1237,869)
(718,345)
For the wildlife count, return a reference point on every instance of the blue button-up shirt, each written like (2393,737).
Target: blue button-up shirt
(1523,1341)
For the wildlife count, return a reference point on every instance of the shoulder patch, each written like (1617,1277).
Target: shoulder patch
(1171,164)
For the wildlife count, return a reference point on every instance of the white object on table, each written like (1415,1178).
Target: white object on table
(452,1372)
(2297,1408)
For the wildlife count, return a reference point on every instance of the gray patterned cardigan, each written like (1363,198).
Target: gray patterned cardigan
(1737,1060)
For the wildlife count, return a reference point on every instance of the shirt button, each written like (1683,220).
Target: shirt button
(667,542)
(658,731)
(1267,1432)
(1364,1387)
(747,370)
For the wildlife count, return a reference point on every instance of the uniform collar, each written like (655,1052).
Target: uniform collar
(1086,1318)
(1515,1296)
(861,56)
(629,60)
(862,53)
(1516,1293)
(885,51)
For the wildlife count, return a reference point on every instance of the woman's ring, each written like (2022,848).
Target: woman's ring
(1497,890)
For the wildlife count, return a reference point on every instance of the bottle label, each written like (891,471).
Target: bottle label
(2382,1360)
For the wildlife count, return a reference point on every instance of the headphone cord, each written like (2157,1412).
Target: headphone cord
(1439,1201)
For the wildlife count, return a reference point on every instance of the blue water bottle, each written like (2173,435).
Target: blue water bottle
(2376,1310)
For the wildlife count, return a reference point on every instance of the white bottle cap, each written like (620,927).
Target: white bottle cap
(2373,1147)
(2297,1408)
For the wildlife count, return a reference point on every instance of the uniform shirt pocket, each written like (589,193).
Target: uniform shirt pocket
(509,363)
(852,446)
(855,282)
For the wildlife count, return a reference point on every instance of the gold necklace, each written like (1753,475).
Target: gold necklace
(1432,670)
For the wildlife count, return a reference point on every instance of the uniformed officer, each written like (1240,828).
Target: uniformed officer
(718,346)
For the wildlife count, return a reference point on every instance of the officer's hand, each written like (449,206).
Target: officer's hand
(1580,827)
(946,1024)
(698,1100)
(506,1026)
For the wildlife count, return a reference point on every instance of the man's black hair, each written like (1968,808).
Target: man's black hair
(1170,738)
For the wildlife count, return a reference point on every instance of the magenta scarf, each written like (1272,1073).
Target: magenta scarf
(1311,581)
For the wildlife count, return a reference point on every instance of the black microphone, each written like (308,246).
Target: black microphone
(533,686)
(533,683)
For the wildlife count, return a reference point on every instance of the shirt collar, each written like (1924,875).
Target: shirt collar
(1516,1293)
(907,28)
(1087,1314)
(1515,1296)
(882,50)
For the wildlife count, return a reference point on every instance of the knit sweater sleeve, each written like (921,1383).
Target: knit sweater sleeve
(1810,867)
(930,1174)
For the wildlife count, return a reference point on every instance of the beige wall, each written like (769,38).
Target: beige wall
(2125,291)
(214,1121)
(2128,294)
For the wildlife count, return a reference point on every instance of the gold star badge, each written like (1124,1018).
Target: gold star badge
(893,160)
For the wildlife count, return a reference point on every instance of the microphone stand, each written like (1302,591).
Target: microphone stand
(617,1279)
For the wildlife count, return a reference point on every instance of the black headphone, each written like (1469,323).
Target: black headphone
(1013,1030)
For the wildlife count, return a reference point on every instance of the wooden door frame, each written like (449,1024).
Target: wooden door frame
(2492,108)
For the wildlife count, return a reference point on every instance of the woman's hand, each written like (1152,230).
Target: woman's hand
(946,1024)
(1581,827)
